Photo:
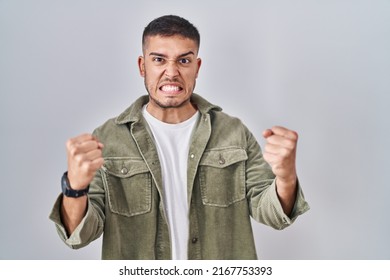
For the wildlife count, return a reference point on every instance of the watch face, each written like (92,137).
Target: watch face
(65,182)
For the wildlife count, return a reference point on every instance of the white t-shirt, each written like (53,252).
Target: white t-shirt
(173,143)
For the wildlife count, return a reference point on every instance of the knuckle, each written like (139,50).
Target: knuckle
(92,167)
(69,143)
(294,135)
(86,168)
(89,167)
(72,151)
(99,164)
(284,153)
(79,158)
(100,153)
(290,144)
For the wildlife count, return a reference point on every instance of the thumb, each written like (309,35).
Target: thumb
(267,133)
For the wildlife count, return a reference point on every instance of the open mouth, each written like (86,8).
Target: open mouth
(171,89)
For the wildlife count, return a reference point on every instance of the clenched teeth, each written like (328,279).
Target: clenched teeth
(170,88)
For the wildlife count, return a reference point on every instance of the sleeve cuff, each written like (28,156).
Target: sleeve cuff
(300,205)
(74,240)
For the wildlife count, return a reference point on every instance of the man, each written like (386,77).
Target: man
(173,177)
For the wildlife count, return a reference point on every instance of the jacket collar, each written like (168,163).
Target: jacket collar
(134,112)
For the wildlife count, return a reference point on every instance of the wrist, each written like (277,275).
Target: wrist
(68,191)
(287,181)
(286,185)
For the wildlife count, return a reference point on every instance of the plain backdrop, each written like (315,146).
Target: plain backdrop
(321,68)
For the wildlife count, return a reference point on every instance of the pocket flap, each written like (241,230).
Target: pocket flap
(125,166)
(221,158)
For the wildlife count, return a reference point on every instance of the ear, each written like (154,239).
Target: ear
(199,62)
(141,66)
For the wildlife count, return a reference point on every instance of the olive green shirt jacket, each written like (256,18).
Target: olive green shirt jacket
(228,182)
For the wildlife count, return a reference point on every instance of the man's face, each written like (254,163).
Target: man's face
(170,67)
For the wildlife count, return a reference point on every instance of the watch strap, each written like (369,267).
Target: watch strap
(67,189)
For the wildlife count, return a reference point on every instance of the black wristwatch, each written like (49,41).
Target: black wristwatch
(67,189)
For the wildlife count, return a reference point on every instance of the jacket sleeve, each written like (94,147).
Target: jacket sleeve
(91,226)
(264,205)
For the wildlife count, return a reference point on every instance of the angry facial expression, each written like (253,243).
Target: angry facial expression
(170,67)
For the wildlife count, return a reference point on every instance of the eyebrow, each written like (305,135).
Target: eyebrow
(163,55)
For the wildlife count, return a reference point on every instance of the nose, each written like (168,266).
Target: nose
(172,69)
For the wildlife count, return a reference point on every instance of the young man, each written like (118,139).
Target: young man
(173,177)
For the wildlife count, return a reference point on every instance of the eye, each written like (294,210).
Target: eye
(158,59)
(184,61)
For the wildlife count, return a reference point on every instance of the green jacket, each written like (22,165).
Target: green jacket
(227,182)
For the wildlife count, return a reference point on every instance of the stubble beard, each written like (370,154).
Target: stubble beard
(169,105)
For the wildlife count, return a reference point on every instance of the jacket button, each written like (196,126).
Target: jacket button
(124,170)
(194,240)
(192,156)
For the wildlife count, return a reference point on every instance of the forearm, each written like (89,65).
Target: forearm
(73,211)
(287,193)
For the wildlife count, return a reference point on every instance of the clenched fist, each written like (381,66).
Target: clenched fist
(280,152)
(84,159)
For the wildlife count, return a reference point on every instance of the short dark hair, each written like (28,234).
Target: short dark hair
(171,25)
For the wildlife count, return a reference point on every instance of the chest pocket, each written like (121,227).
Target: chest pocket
(129,186)
(222,176)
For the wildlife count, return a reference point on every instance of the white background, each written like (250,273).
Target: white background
(321,68)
